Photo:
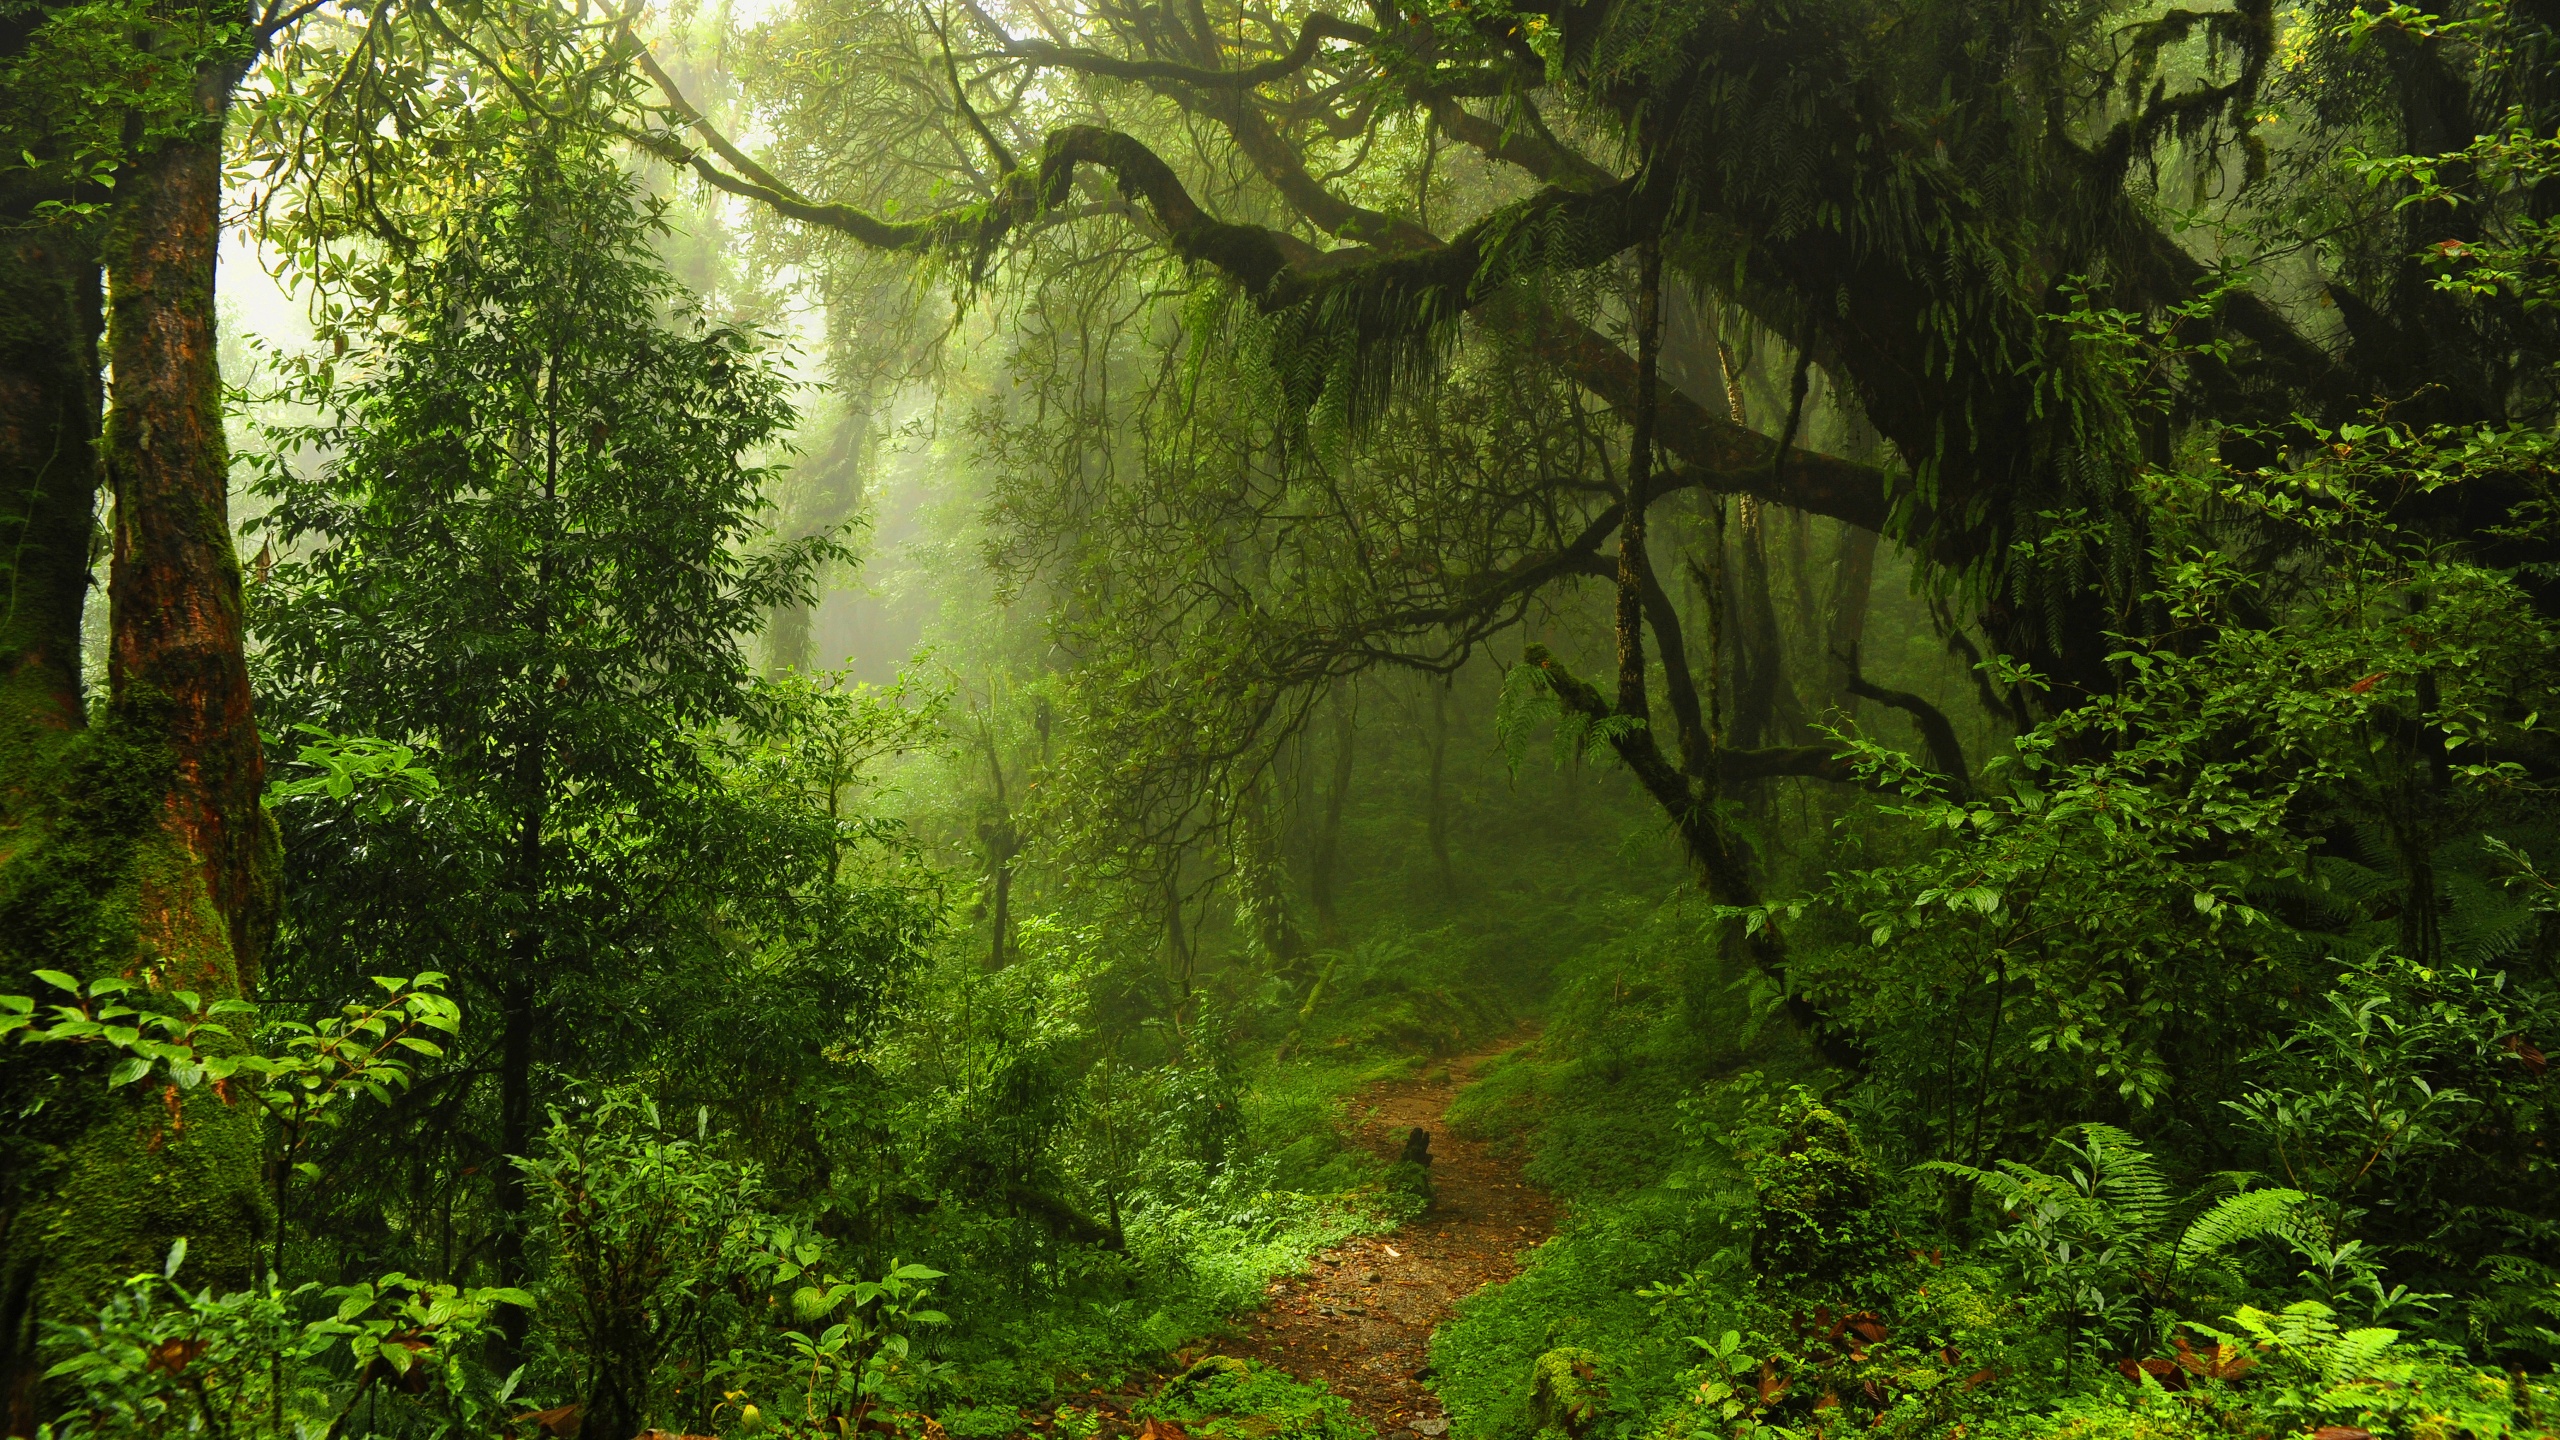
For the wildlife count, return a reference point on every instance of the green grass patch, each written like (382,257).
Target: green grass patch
(1595,1106)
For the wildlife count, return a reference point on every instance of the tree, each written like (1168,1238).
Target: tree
(520,536)
(138,847)
(1908,208)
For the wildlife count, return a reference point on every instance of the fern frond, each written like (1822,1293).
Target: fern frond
(2353,1355)
(2013,1185)
(2126,1180)
(1526,699)
(2236,1218)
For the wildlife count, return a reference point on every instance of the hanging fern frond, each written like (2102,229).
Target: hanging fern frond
(1526,700)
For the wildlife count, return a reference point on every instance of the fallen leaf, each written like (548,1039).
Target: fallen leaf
(559,1420)
(172,1355)
(2524,1050)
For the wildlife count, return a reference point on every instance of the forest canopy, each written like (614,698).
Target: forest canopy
(1619,720)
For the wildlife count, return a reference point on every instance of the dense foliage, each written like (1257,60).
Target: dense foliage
(895,651)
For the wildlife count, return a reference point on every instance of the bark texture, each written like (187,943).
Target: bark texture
(174,589)
(49,417)
(137,847)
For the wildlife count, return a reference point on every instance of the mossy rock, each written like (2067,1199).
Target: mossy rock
(1204,1370)
(1567,1397)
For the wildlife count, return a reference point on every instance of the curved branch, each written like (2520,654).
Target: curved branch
(1280,271)
(1318,28)
(960,97)
(1809,762)
(1720,857)
(1946,752)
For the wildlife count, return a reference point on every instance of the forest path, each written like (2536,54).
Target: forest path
(1360,1318)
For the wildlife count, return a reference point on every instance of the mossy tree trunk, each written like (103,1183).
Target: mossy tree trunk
(49,416)
(137,847)
(50,407)
(174,590)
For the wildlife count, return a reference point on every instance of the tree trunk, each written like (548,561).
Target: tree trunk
(518,1020)
(1260,879)
(1002,844)
(141,848)
(1852,584)
(1326,861)
(1003,916)
(174,585)
(520,993)
(835,489)
(1759,654)
(49,419)
(1439,804)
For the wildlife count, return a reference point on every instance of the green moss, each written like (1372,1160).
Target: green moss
(1566,1394)
(100,1182)
(1230,1399)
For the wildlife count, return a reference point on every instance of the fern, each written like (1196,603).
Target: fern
(2124,1180)
(2017,1187)
(2238,1218)
(1526,699)
(2355,1354)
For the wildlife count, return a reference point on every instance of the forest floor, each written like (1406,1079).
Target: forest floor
(1360,1319)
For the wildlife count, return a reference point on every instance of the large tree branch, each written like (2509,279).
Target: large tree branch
(1282,272)
(1811,762)
(1679,682)
(1317,29)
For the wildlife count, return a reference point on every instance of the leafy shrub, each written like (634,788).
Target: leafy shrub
(648,1233)
(264,1363)
(1817,1230)
(1229,1399)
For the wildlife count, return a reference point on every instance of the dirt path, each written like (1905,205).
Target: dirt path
(1361,1318)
